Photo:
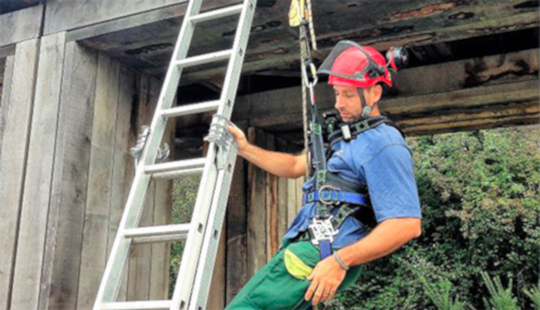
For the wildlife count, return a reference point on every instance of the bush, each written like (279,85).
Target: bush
(480,203)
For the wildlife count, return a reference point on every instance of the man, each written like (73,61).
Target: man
(376,157)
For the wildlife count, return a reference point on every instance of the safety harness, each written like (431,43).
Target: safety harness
(330,190)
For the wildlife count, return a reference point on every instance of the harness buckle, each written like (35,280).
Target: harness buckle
(325,194)
(346,131)
(322,230)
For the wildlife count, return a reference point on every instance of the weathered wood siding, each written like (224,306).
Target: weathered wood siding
(21,25)
(272,205)
(65,172)
(15,117)
(66,15)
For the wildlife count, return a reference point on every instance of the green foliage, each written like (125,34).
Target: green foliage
(480,206)
(534,296)
(440,294)
(184,196)
(501,298)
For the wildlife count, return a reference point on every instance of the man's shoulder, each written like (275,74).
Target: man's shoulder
(379,138)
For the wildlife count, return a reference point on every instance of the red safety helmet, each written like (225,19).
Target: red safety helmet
(350,64)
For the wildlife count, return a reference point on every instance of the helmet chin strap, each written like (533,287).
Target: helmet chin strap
(366,110)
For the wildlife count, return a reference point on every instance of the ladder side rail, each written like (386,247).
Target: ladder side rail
(234,69)
(183,293)
(190,256)
(115,267)
(188,267)
(206,266)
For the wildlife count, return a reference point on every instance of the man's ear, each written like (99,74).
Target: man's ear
(376,92)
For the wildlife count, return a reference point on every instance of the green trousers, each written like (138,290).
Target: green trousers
(282,284)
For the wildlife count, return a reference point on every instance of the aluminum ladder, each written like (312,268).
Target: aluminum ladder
(203,232)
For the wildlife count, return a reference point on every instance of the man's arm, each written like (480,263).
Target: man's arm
(384,239)
(280,164)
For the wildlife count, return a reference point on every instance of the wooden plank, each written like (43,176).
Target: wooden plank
(123,161)
(8,6)
(159,281)
(64,238)
(67,15)
(282,214)
(23,25)
(291,201)
(5,100)
(159,272)
(464,74)
(514,114)
(256,237)
(420,107)
(95,234)
(273,45)
(281,57)
(38,178)
(299,183)
(15,118)
(237,251)
(282,195)
(468,73)
(7,50)
(173,14)
(271,205)
(140,260)
(461,99)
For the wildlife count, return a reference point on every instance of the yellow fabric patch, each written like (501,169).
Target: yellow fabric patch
(296,12)
(295,266)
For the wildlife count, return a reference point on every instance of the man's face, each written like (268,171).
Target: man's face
(348,103)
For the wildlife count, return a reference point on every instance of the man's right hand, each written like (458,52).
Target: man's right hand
(280,164)
(239,136)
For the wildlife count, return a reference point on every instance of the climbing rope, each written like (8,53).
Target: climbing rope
(300,15)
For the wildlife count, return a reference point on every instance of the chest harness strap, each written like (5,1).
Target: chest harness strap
(330,190)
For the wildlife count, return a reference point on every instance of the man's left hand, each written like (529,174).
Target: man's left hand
(325,280)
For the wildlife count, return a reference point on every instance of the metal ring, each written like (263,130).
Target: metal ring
(321,199)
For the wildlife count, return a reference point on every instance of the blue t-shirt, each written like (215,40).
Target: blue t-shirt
(380,159)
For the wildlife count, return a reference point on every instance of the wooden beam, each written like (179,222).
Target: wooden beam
(146,40)
(470,86)
(504,116)
(15,117)
(476,83)
(237,229)
(70,180)
(418,111)
(7,6)
(256,230)
(7,50)
(68,15)
(39,175)
(272,238)
(22,25)
(100,176)
(414,31)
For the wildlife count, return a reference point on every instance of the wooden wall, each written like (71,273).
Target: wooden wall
(261,207)
(67,119)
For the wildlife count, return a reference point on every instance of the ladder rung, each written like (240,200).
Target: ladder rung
(192,109)
(179,167)
(215,14)
(137,305)
(177,174)
(165,233)
(204,59)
